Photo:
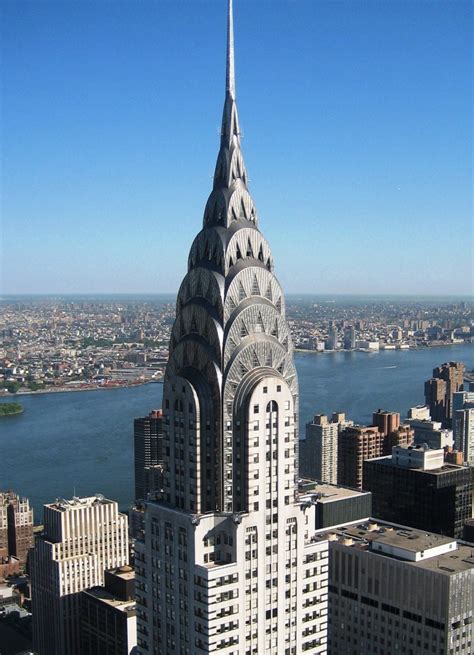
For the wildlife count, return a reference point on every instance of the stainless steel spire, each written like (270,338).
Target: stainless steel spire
(230,72)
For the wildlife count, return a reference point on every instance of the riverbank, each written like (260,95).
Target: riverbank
(95,387)
(304,351)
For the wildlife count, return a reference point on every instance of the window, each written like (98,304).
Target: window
(255,409)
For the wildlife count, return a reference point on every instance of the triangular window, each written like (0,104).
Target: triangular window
(244,211)
(249,249)
(255,287)
(268,292)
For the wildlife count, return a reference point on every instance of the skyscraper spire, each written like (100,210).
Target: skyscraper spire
(230,71)
(230,131)
(229,512)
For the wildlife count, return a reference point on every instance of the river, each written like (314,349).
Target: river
(82,442)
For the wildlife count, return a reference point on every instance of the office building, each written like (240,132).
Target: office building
(360,442)
(108,616)
(454,457)
(463,424)
(387,422)
(419,413)
(395,433)
(16,526)
(331,341)
(431,433)
(415,487)
(396,590)
(463,399)
(228,563)
(319,451)
(334,504)
(355,445)
(402,436)
(82,538)
(148,451)
(3,529)
(468,534)
(349,338)
(435,396)
(439,390)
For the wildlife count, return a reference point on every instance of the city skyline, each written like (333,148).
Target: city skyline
(398,117)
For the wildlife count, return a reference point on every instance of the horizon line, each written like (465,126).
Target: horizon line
(294,293)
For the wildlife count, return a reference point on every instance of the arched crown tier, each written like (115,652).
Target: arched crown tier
(229,204)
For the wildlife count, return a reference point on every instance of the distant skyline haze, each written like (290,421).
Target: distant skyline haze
(359,151)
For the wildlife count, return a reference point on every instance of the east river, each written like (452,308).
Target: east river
(82,442)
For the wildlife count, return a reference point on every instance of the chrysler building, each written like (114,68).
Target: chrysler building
(227,563)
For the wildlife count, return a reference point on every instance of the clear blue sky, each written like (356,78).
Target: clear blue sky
(357,137)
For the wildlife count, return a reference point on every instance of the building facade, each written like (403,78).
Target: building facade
(82,538)
(148,452)
(359,442)
(3,529)
(463,424)
(349,338)
(16,526)
(108,617)
(356,444)
(387,422)
(447,380)
(334,504)
(416,487)
(228,563)
(319,452)
(398,591)
(431,433)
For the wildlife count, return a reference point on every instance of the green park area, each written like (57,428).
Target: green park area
(9,409)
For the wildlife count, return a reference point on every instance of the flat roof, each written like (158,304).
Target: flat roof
(386,460)
(109,599)
(125,572)
(326,493)
(62,504)
(457,561)
(448,556)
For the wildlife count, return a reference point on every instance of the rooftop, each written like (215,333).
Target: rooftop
(62,504)
(325,493)
(386,460)
(109,599)
(125,572)
(427,550)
